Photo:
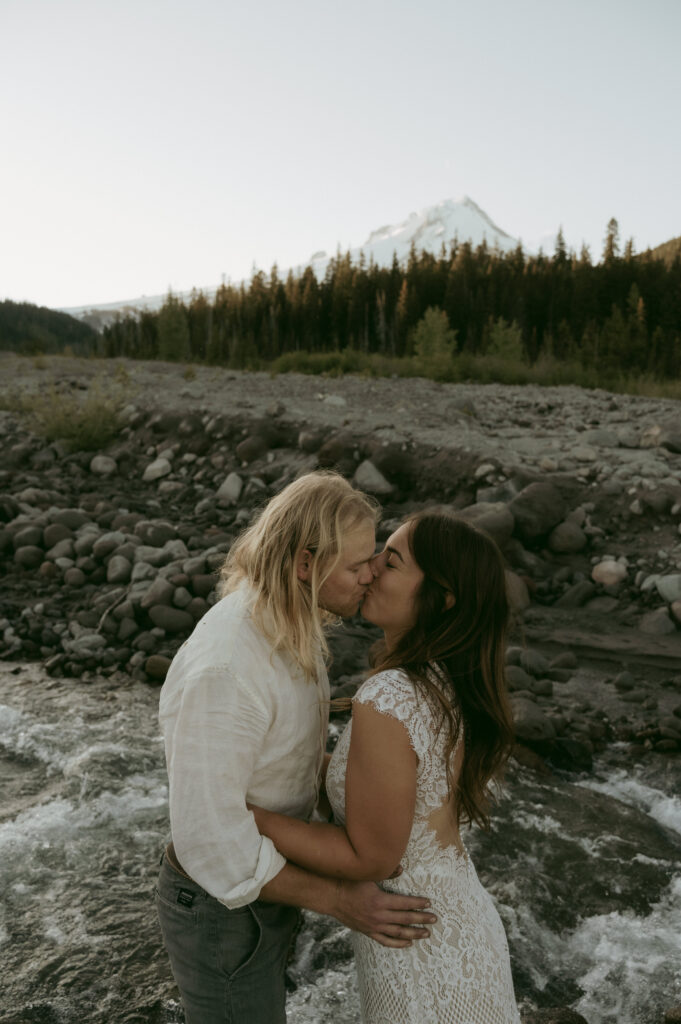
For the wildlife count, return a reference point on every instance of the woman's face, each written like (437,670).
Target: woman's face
(390,601)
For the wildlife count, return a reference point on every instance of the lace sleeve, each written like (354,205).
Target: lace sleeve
(392,693)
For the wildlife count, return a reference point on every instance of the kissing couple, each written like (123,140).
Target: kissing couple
(244,713)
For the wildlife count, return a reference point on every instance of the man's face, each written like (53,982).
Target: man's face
(344,589)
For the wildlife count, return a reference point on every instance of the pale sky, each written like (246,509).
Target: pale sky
(147,144)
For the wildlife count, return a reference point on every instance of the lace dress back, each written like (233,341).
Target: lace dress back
(461,974)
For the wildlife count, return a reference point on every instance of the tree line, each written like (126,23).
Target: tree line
(622,314)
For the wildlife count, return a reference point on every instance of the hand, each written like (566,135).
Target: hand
(389,918)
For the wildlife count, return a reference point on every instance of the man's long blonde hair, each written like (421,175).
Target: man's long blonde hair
(313,513)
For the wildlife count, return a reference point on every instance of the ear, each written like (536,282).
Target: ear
(450,600)
(304,566)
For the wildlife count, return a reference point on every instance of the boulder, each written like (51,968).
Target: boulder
(567,538)
(495,518)
(531,724)
(537,509)
(368,478)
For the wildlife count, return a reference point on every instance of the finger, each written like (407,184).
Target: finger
(410,917)
(385,940)
(403,932)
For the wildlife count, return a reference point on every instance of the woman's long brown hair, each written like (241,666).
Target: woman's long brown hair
(463,646)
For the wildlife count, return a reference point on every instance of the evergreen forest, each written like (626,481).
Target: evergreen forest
(468,313)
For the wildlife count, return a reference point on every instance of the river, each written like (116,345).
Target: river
(585,871)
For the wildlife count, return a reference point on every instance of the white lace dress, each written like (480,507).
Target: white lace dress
(462,973)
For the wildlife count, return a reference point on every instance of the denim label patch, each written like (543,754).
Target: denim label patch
(185,897)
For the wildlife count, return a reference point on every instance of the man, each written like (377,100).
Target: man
(244,713)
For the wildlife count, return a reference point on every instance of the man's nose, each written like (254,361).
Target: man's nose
(375,565)
(366,576)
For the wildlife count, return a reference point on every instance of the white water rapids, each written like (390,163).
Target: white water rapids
(586,873)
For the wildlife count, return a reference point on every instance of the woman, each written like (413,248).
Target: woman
(429,731)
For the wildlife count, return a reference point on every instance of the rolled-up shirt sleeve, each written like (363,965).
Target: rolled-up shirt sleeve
(214,731)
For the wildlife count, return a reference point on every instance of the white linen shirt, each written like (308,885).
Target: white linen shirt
(240,723)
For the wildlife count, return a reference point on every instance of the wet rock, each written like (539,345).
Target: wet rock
(495,518)
(156,667)
(155,470)
(531,724)
(172,620)
(368,478)
(572,752)
(657,623)
(553,1015)
(229,491)
(537,509)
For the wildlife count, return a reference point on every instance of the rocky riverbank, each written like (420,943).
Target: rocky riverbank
(110,558)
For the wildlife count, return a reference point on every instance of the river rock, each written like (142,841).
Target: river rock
(576,595)
(517,592)
(675,611)
(155,470)
(118,569)
(371,480)
(74,577)
(533,662)
(495,518)
(531,724)
(28,556)
(670,434)
(567,538)
(251,448)
(159,593)
(536,510)
(657,623)
(154,533)
(55,532)
(517,678)
(28,536)
(172,620)
(107,544)
(229,491)
(669,587)
(609,573)
(62,549)
(156,667)
(103,465)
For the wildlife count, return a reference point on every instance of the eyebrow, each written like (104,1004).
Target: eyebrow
(394,551)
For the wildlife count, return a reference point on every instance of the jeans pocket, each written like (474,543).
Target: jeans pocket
(239,933)
(178,909)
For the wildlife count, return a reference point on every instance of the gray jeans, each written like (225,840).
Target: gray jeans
(228,964)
